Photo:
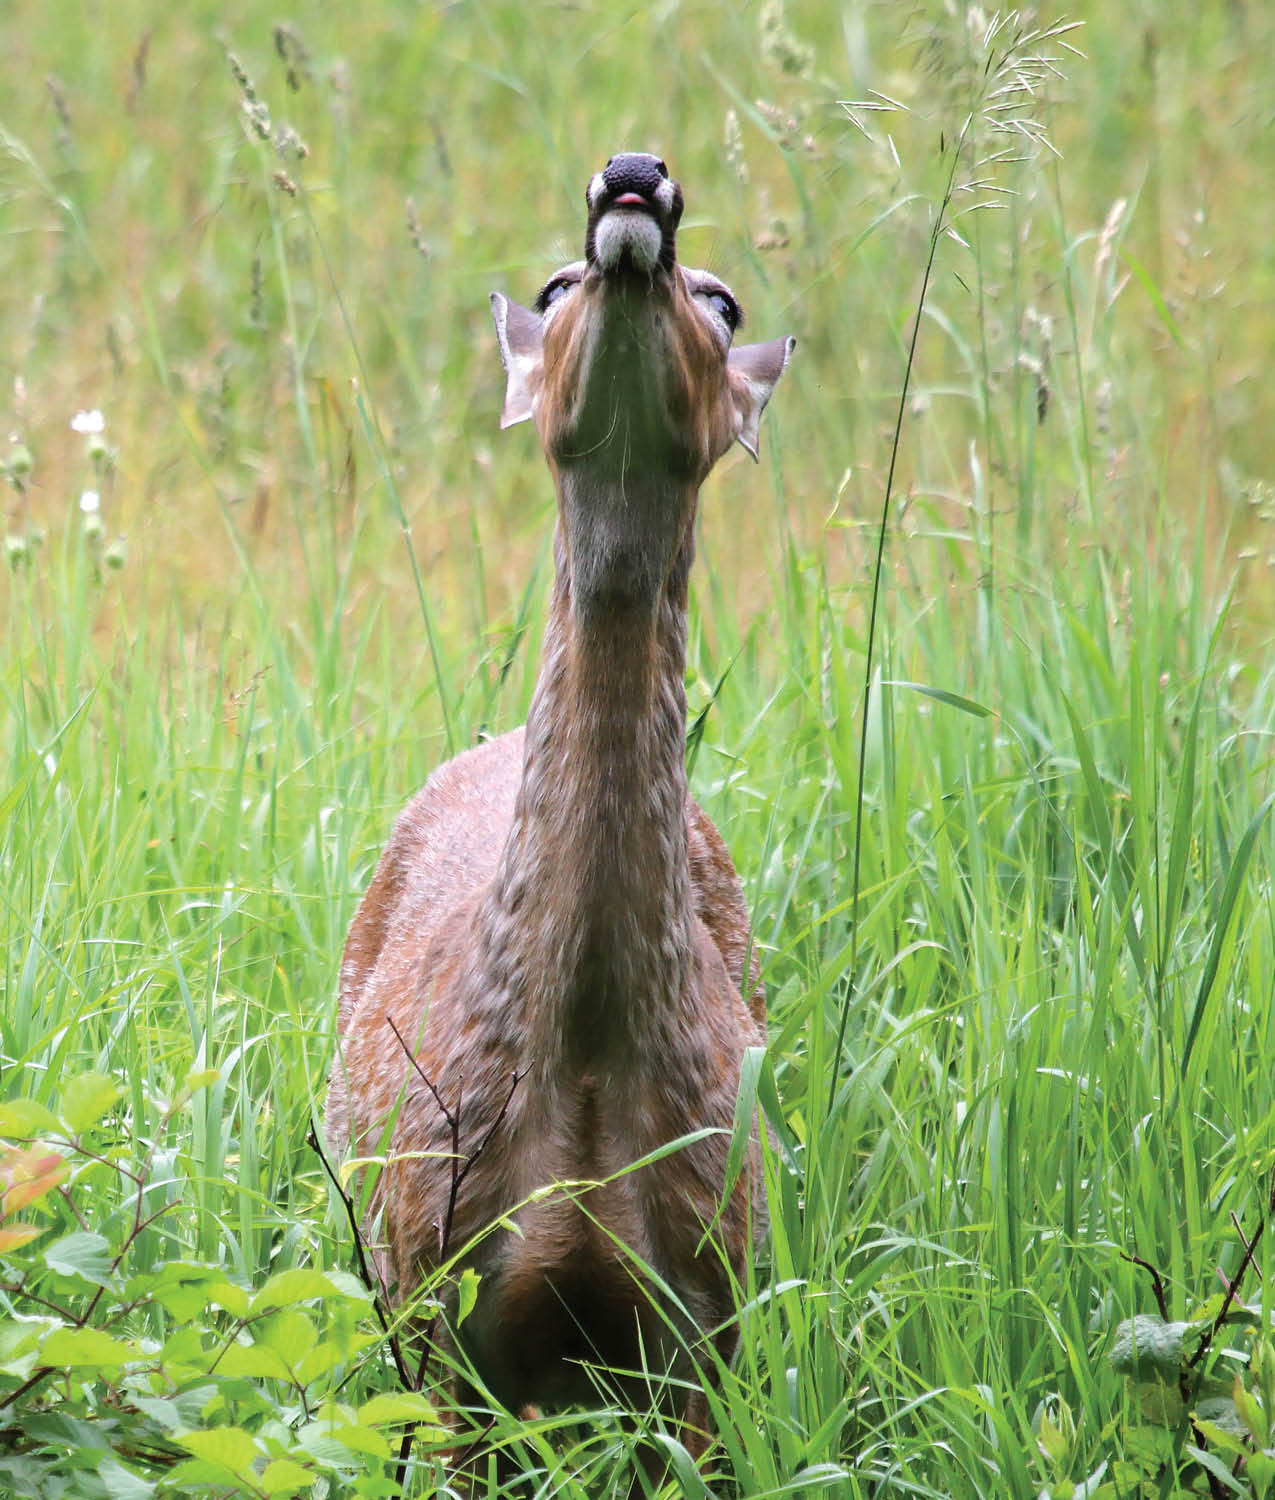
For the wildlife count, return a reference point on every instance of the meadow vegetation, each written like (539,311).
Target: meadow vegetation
(1013,904)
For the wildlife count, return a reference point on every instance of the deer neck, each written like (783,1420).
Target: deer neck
(590,910)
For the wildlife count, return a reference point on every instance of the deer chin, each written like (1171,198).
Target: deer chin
(628,236)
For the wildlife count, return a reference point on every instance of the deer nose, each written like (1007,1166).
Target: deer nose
(634,172)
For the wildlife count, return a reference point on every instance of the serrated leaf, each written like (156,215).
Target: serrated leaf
(236,1300)
(283,1476)
(286,1287)
(81,1254)
(20,1118)
(185,1478)
(395,1407)
(369,1440)
(317,1440)
(466,1293)
(289,1333)
(1220,1471)
(161,1411)
(86,1098)
(84,1348)
(347,1285)
(122,1483)
(330,1353)
(231,1447)
(20,1340)
(249,1360)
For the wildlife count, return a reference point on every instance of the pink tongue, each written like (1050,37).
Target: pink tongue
(636,199)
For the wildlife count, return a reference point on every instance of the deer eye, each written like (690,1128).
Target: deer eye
(553,291)
(723,307)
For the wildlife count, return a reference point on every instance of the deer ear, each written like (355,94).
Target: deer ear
(521,339)
(754,371)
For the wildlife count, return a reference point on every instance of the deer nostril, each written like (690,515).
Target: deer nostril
(661,169)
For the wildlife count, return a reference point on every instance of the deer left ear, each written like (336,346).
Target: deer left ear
(521,339)
(754,371)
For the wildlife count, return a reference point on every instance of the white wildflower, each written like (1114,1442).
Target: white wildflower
(88,422)
(90,502)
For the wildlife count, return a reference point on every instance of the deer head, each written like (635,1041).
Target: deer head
(626,363)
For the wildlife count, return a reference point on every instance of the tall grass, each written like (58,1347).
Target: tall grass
(1012,887)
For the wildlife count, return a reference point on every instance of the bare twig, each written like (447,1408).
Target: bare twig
(376,1287)
(1232,1290)
(1160,1300)
(461,1165)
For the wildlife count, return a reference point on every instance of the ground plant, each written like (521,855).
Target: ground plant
(981,697)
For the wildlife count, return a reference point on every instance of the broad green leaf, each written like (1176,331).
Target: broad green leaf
(194,1476)
(289,1333)
(1147,1348)
(318,1441)
(357,1439)
(20,1118)
(83,1348)
(122,1483)
(20,1340)
(1221,1412)
(397,1406)
(330,1352)
(86,1098)
(81,1254)
(282,1476)
(348,1286)
(286,1287)
(231,1298)
(251,1360)
(231,1447)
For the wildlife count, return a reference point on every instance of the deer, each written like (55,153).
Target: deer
(550,977)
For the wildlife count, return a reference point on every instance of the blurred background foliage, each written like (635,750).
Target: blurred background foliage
(158,268)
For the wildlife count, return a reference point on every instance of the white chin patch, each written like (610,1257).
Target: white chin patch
(627,232)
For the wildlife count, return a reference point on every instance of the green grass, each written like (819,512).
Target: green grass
(1055,984)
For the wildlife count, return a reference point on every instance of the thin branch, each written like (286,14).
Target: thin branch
(1250,1249)
(1160,1300)
(376,1287)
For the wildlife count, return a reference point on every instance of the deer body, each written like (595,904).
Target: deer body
(556,931)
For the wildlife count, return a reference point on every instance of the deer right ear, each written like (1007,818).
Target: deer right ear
(521,339)
(754,371)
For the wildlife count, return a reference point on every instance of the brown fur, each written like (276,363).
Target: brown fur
(554,905)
